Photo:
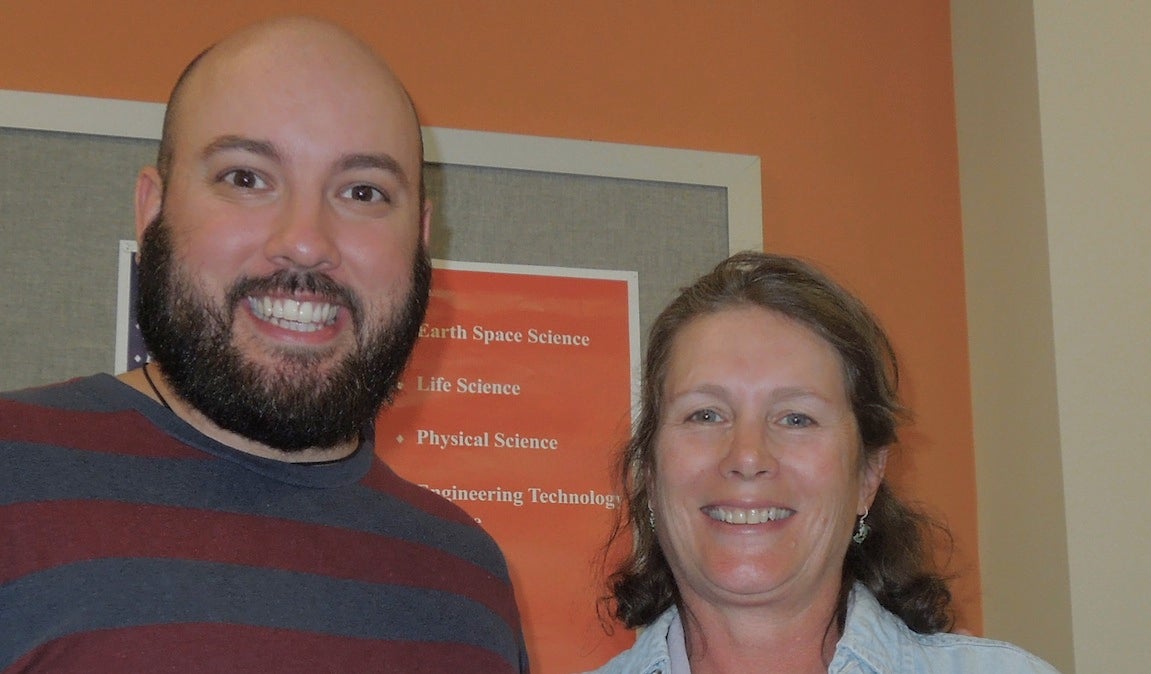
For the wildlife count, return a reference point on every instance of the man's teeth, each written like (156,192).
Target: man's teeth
(292,314)
(747,515)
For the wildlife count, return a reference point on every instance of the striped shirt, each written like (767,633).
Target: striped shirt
(131,542)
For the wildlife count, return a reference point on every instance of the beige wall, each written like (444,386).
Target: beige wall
(1095,100)
(1054,111)
(1018,463)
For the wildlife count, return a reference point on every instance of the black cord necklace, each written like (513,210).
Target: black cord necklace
(154,389)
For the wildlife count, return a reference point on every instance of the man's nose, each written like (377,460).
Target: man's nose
(304,237)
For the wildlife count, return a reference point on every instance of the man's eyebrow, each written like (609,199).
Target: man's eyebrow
(258,147)
(382,162)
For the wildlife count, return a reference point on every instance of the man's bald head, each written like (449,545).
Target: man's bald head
(293,37)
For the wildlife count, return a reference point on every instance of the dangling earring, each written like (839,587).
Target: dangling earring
(651,517)
(862,529)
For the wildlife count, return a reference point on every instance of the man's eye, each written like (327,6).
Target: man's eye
(797,420)
(364,193)
(245,179)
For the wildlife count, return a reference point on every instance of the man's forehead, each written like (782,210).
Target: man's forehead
(294,113)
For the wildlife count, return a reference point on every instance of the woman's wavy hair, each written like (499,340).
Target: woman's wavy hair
(894,562)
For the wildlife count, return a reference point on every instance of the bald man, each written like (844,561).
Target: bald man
(222,508)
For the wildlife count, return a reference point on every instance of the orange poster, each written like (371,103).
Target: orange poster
(515,402)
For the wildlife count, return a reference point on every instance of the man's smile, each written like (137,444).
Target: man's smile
(292,314)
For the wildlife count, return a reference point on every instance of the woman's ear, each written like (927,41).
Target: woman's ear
(874,466)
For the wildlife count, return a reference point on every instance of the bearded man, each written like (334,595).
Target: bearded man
(223,508)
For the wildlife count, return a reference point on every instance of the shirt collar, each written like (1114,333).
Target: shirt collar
(871,635)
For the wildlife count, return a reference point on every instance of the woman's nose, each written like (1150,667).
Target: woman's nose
(750,452)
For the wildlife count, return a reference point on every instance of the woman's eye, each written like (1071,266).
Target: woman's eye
(364,193)
(705,416)
(797,420)
(245,179)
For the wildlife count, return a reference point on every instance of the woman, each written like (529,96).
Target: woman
(766,537)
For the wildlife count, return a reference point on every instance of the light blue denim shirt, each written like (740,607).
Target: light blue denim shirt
(874,641)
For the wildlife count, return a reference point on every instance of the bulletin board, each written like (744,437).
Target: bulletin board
(581,214)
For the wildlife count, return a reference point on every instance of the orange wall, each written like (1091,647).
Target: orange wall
(848,105)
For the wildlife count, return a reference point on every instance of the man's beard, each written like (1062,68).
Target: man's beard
(292,406)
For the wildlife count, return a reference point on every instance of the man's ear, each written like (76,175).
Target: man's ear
(149,199)
(426,223)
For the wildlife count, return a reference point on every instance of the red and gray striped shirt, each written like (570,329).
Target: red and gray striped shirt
(131,542)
